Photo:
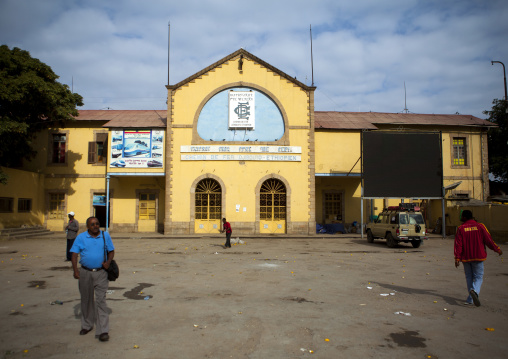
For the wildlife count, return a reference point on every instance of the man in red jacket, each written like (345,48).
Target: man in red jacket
(226,227)
(469,248)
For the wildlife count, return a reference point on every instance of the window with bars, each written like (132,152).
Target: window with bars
(459,151)
(333,206)
(272,200)
(59,148)
(208,200)
(56,206)
(147,206)
(6,204)
(24,204)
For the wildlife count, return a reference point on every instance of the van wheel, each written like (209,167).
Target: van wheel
(370,236)
(390,241)
(416,244)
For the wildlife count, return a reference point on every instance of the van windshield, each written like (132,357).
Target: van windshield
(416,218)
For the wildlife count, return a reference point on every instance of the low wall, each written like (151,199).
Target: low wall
(493,216)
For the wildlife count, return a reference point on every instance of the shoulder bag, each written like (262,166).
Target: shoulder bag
(113,270)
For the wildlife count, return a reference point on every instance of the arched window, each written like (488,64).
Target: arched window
(272,200)
(213,119)
(208,199)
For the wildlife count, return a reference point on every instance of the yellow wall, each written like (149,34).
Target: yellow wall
(78,199)
(294,100)
(338,151)
(78,136)
(470,175)
(23,184)
(492,215)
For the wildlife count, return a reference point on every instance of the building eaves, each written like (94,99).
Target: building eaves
(371,120)
(125,118)
(246,54)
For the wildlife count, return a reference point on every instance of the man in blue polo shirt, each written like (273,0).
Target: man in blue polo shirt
(93,279)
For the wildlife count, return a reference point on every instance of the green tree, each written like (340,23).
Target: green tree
(498,140)
(31,99)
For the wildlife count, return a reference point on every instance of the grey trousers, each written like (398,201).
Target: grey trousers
(94,310)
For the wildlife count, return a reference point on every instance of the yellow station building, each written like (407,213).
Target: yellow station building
(239,139)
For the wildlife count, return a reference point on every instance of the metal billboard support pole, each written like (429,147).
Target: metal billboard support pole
(443,223)
(361,212)
(107,202)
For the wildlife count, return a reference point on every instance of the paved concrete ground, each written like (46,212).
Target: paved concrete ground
(323,297)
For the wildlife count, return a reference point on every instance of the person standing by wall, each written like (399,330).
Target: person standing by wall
(469,248)
(72,230)
(93,278)
(226,227)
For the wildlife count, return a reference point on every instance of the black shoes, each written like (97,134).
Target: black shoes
(85,331)
(104,337)
(474,295)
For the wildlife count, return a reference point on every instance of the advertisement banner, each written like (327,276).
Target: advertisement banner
(137,148)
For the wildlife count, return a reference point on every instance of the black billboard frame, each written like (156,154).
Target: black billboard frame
(442,197)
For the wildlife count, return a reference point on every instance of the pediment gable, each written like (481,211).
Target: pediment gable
(241,53)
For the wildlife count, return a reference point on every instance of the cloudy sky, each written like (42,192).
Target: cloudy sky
(114,52)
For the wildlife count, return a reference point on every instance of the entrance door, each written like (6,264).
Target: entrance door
(272,207)
(99,208)
(100,214)
(147,212)
(208,206)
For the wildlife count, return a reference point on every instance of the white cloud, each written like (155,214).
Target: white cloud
(116,51)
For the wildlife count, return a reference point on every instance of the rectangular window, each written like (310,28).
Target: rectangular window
(459,151)
(147,206)
(6,204)
(57,206)
(97,150)
(333,206)
(59,147)
(24,204)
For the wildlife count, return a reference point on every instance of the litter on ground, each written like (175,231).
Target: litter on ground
(402,313)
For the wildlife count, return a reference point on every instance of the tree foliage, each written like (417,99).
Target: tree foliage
(498,140)
(31,99)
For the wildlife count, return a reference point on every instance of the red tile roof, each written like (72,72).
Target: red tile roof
(369,120)
(125,118)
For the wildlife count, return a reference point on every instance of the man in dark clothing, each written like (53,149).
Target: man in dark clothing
(469,248)
(72,230)
(226,227)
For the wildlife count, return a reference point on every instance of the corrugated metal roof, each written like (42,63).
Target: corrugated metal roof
(125,118)
(369,120)
(341,121)
(323,119)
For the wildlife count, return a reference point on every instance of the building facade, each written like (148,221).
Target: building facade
(239,139)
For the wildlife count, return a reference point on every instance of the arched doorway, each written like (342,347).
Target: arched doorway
(208,206)
(272,206)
